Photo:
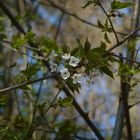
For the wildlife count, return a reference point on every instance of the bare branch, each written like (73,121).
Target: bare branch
(130,106)
(124,40)
(26,83)
(122,57)
(75,16)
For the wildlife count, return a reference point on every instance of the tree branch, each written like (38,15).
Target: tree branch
(124,40)
(77,17)
(26,83)
(130,106)
(109,21)
(125,58)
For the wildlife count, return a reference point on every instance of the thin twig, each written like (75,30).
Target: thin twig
(130,106)
(34,125)
(23,53)
(109,20)
(75,16)
(125,39)
(115,55)
(8,67)
(59,23)
(28,47)
(26,83)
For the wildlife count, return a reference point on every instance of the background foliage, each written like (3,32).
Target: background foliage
(69,70)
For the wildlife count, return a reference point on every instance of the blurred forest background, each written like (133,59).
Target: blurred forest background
(64,21)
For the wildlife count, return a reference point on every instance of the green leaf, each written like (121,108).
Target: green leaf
(29,35)
(41,107)
(65,102)
(116,5)
(17,42)
(49,44)
(80,51)
(3,100)
(73,52)
(2,36)
(67,130)
(132,44)
(107,71)
(73,87)
(103,45)
(106,38)
(87,46)
(30,71)
(100,25)
(95,56)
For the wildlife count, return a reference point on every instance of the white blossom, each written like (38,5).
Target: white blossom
(65,73)
(74,61)
(66,56)
(53,67)
(52,56)
(76,78)
(53,53)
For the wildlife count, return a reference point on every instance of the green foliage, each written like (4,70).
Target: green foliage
(90,59)
(116,5)
(48,44)
(132,44)
(95,56)
(12,132)
(6,133)
(107,71)
(18,41)
(41,107)
(105,27)
(127,70)
(67,130)
(87,47)
(30,71)
(80,51)
(73,87)
(2,29)
(66,102)
(3,100)
(106,38)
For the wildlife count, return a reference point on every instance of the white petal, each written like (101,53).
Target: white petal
(65,73)
(66,56)
(73,61)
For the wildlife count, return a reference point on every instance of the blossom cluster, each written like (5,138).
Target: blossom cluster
(69,62)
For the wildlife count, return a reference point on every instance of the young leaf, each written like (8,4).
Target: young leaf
(100,25)
(87,46)
(116,5)
(106,38)
(103,45)
(80,51)
(65,102)
(107,71)
(95,56)
(3,100)
(30,71)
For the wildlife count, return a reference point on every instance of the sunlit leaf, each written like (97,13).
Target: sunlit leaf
(116,5)
(106,38)
(65,102)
